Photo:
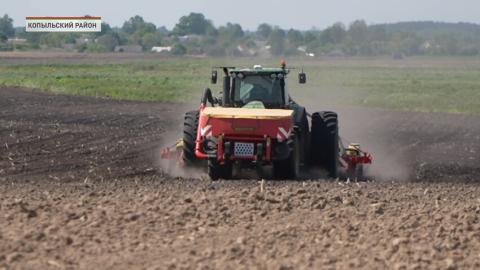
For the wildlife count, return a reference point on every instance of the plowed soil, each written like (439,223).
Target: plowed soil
(81,188)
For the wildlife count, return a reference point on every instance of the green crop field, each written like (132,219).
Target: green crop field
(416,84)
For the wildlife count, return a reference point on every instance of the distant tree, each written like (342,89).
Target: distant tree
(150,40)
(179,49)
(334,34)
(130,26)
(69,37)
(81,47)
(407,43)
(33,38)
(409,38)
(295,37)
(377,37)
(52,40)
(412,44)
(162,30)
(358,32)
(277,41)
(211,30)
(264,30)
(357,39)
(123,37)
(229,37)
(377,33)
(137,25)
(311,36)
(469,50)
(194,23)
(19,30)
(230,33)
(109,41)
(447,42)
(6,26)
(95,48)
(106,28)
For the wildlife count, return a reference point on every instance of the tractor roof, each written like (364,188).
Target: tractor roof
(260,70)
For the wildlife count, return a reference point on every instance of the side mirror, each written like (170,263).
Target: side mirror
(302,78)
(214,76)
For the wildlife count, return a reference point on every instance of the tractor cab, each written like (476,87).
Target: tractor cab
(257,87)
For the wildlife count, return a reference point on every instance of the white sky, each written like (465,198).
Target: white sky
(300,14)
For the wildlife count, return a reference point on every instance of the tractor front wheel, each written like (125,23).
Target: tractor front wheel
(190,127)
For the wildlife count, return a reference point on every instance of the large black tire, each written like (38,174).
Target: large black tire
(190,127)
(218,171)
(324,142)
(290,167)
(304,142)
(302,132)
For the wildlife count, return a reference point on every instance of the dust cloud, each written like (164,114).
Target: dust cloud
(371,128)
(171,167)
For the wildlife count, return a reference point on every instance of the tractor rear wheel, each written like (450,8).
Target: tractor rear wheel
(190,127)
(324,142)
(290,167)
(219,171)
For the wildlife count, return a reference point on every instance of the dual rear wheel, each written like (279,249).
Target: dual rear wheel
(325,142)
(323,152)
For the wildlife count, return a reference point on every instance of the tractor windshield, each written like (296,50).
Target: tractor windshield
(266,89)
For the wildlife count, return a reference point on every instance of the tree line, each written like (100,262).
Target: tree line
(196,35)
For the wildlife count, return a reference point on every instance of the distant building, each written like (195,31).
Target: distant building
(262,49)
(83,40)
(243,50)
(192,37)
(13,44)
(303,49)
(129,48)
(166,49)
(17,41)
(426,45)
(429,45)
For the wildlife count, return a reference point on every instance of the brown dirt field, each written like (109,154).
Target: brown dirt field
(80,189)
